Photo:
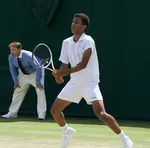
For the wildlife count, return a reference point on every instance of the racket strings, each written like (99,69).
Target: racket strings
(45,61)
(43,54)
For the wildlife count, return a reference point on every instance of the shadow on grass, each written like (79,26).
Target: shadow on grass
(73,120)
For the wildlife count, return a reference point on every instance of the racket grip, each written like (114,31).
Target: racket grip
(54,71)
(59,80)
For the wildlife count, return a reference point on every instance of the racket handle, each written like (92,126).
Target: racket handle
(54,71)
(59,80)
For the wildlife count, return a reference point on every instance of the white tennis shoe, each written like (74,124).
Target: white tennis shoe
(9,116)
(67,137)
(127,142)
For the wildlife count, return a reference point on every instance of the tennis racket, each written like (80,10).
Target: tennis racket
(42,56)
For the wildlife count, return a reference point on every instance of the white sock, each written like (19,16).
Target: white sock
(122,135)
(64,128)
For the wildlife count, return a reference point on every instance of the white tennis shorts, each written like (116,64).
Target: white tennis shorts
(90,93)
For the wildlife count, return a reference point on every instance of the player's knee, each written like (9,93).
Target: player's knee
(53,111)
(102,115)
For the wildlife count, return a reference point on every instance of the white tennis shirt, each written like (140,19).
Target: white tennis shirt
(72,53)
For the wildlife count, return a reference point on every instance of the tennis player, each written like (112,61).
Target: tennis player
(80,52)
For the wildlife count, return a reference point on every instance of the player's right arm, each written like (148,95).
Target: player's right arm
(13,71)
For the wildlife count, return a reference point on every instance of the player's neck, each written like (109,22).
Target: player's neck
(77,37)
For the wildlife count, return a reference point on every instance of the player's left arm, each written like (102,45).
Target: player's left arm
(85,59)
(80,66)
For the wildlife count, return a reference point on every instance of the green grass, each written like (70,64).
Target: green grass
(91,133)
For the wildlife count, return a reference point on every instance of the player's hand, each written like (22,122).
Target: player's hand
(59,80)
(40,86)
(16,86)
(57,73)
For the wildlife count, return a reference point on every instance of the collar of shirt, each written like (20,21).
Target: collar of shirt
(80,39)
(20,56)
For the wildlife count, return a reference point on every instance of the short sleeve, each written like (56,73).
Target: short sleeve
(63,55)
(88,44)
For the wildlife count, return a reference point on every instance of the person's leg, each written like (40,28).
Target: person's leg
(99,110)
(93,95)
(18,97)
(41,103)
(41,97)
(68,95)
(56,111)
